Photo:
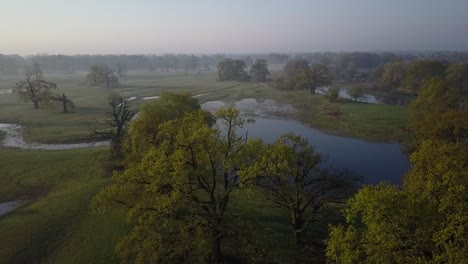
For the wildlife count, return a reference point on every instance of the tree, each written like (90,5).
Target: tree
(121,70)
(35,89)
(318,75)
(259,70)
(298,75)
(144,131)
(437,95)
(179,193)
(115,128)
(101,74)
(289,173)
(421,71)
(394,74)
(67,104)
(457,76)
(426,222)
(356,92)
(232,70)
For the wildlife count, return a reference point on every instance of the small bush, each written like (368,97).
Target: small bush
(332,94)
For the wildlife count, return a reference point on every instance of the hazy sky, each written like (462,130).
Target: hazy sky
(230,26)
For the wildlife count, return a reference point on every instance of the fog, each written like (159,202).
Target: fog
(208,26)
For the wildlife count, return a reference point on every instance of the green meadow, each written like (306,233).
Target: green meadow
(56,224)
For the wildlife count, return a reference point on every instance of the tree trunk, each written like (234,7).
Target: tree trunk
(65,110)
(297,229)
(216,254)
(36,104)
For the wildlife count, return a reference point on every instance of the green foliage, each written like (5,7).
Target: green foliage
(181,188)
(394,74)
(298,75)
(333,94)
(420,71)
(427,220)
(259,70)
(457,76)
(436,96)
(434,115)
(232,70)
(143,131)
(356,92)
(289,172)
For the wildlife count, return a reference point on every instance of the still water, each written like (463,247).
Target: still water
(375,162)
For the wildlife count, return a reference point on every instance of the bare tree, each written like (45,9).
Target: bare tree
(67,104)
(34,88)
(115,128)
(121,69)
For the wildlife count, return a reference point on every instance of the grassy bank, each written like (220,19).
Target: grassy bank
(372,122)
(59,185)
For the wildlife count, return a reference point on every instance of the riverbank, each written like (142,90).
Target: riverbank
(359,120)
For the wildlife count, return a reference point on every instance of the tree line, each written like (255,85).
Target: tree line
(348,66)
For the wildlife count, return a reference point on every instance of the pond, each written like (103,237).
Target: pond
(375,162)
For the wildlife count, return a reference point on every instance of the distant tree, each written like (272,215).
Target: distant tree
(421,71)
(34,88)
(232,70)
(67,104)
(102,75)
(115,128)
(291,76)
(356,92)
(317,75)
(121,70)
(394,74)
(259,70)
(457,76)
(289,172)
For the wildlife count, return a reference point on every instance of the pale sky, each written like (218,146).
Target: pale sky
(230,26)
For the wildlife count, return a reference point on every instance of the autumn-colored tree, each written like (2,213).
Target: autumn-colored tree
(289,172)
(178,194)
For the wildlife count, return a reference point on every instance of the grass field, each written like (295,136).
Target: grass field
(372,122)
(57,225)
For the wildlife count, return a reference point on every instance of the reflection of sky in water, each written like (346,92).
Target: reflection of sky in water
(374,161)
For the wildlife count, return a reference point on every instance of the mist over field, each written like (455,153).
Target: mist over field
(242,131)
